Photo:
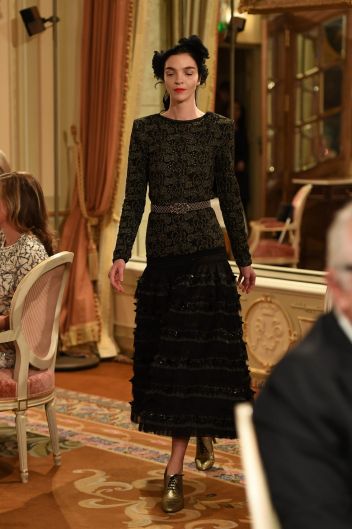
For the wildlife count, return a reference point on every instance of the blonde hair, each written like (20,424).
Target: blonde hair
(25,204)
(4,164)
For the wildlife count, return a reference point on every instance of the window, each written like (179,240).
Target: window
(307,100)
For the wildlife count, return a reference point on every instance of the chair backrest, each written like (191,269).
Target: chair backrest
(35,313)
(298,202)
(4,163)
(261,511)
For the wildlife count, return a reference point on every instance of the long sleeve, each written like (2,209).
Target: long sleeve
(228,192)
(136,188)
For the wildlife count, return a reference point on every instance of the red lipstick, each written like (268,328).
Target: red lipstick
(180,90)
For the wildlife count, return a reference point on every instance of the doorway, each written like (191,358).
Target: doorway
(247,93)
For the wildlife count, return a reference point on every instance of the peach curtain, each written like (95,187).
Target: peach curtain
(107,28)
(267,6)
(145,27)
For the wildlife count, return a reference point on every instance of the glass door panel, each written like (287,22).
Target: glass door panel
(334,42)
(332,88)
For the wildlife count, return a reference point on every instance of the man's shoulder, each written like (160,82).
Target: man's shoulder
(321,352)
(309,369)
(322,337)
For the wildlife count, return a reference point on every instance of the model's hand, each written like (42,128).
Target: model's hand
(116,274)
(4,322)
(246,279)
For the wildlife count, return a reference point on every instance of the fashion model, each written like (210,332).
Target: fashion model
(190,361)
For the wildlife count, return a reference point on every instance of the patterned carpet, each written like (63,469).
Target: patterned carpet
(111,474)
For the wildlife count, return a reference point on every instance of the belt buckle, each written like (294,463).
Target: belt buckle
(180,208)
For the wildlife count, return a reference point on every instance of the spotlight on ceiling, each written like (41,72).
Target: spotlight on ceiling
(33,22)
(239,23)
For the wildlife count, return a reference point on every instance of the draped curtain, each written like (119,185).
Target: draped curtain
(107,28)
(143,17)
(267,6)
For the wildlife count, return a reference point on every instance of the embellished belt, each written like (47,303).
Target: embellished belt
(180,207)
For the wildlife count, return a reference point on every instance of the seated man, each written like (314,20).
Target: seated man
(303,416)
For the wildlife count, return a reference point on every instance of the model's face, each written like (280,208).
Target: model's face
(181,77)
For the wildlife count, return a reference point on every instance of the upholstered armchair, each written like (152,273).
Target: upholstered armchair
(282,247)
(34,328)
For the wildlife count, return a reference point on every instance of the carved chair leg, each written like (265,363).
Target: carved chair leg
(54,436)
(21,422)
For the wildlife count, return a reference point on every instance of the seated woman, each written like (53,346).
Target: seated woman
(25,241)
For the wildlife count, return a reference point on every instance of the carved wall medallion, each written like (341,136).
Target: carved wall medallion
(268,332)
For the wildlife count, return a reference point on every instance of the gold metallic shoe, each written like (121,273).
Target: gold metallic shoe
(205,453)
(172,500)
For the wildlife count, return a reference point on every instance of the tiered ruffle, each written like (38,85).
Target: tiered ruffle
(190,362)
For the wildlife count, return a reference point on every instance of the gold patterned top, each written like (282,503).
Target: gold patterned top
(182,162)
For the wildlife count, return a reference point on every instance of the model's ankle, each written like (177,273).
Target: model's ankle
(173,468)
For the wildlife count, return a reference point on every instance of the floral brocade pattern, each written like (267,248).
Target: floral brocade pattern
(182,162)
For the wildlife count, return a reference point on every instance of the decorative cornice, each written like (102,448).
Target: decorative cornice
(270,6)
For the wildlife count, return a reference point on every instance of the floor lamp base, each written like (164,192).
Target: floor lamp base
(66,361)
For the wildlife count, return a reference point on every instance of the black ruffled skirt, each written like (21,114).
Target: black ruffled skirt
(190,361)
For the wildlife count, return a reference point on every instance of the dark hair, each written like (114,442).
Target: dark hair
(191,45)
(25,204)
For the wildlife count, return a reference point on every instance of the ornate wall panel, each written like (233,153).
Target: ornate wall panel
(267,6)
(277,314)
